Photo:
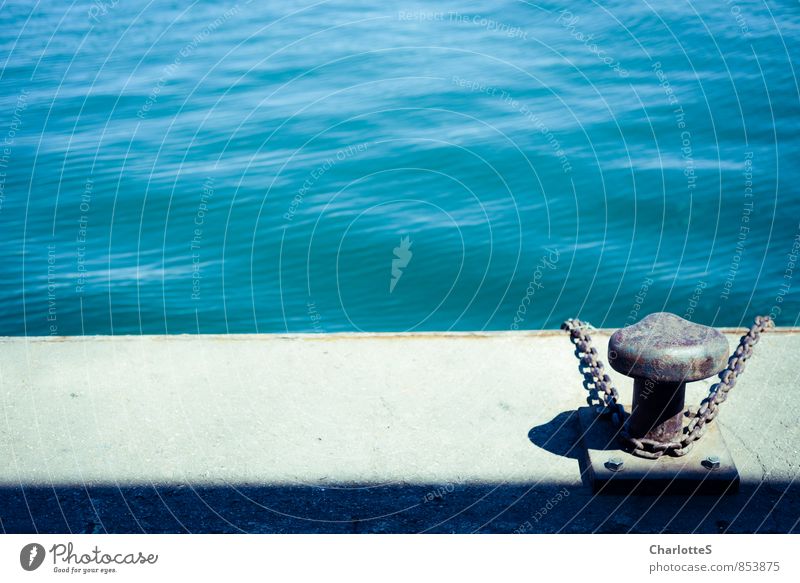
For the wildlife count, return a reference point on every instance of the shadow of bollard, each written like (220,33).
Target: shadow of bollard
(559,436)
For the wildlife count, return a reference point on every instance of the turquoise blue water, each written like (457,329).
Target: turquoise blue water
(342,166)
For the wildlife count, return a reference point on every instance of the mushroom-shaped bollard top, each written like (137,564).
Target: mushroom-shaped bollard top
(666,348)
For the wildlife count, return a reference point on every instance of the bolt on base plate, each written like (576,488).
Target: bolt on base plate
(708,468)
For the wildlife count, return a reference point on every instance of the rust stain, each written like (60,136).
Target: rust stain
(497,334)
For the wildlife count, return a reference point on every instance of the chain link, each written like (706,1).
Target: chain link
(594,368)
(709,407)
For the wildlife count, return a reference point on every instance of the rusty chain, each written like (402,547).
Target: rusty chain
(595,368)
(709,407)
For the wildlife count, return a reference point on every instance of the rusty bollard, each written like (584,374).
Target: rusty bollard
(662,353)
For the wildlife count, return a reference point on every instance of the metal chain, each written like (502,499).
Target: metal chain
(595,368)
(709,407)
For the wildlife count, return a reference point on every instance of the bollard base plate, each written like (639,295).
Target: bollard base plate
(667,475)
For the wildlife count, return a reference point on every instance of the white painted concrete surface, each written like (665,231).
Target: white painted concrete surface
(309,409)
(353,433)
